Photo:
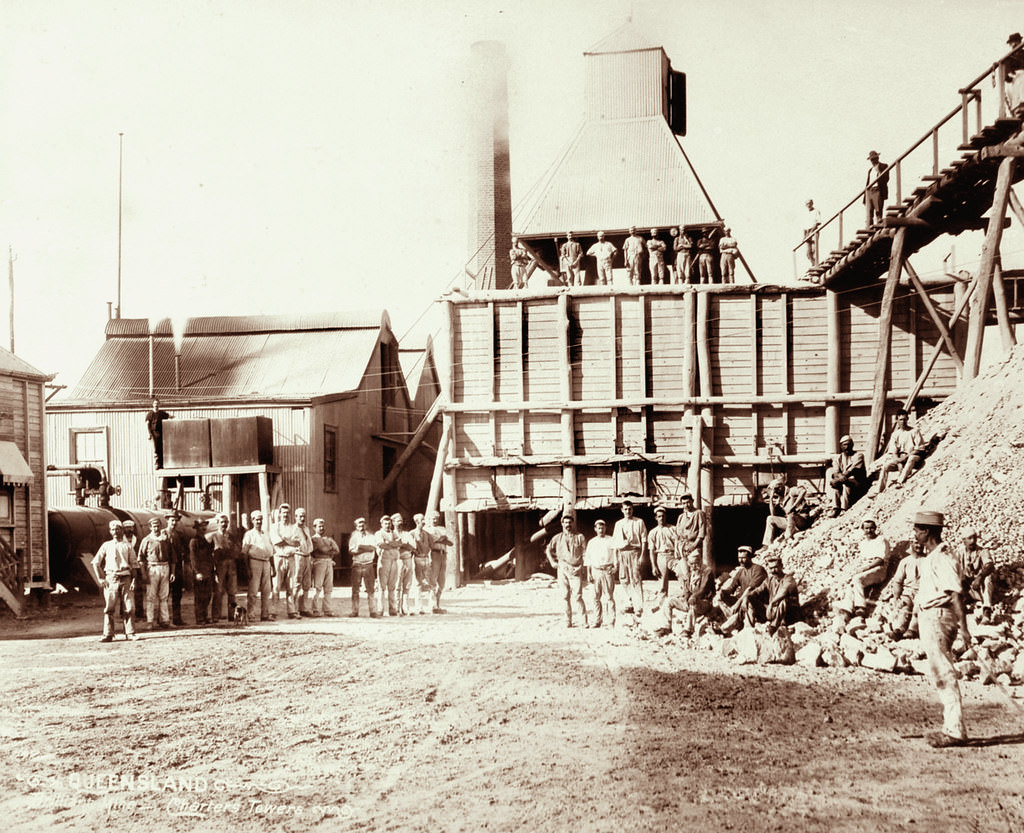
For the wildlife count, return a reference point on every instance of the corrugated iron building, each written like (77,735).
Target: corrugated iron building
(331,384)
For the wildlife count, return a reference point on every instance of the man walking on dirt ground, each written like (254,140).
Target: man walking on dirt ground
(630,537)
(440,540)
(940,614)
(155,559)
(200,556)
(325,549)
(565,553)
(117,568)
(362,547)
(601,560)
(259,549)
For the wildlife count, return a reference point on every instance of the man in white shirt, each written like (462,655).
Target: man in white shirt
(870,569)
(258,549)
(117,568)
(603,252)
(602,563)
(630,536)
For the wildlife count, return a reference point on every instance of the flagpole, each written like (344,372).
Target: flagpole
(120,179)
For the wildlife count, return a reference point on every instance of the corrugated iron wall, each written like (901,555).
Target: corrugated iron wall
(626,85)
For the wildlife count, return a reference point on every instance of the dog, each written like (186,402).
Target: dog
(241,616)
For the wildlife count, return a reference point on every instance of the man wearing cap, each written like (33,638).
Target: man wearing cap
(903,441)
(565,553)
(812,222)
(440,540)
(783,595)
(422,542)
(741,597)
(848,476)
(389,546)
(117,568)
(603,251)
(870,568)
(288,540)
(141,581)
(940,614)
(602,563)
(728,251)
(662,545)
(682,246)
(181,580)
(632,251)
(406,569)
(225,559)
(656,257)
(155,559)
(978,571)
(569,256)
(705,257)
(787,510)
(200,556)
(302,578)
(877,190)
(259,550)
(901,593)
(630,539)
(362,547)
(520,260)
(325,549)
(695,595)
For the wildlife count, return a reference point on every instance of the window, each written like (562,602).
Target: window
(330,458)
(89,445)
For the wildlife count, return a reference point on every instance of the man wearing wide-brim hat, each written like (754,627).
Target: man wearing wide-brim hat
(940,614)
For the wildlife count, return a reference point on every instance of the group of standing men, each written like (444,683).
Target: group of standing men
(395,561)
(284,557)
(682,259)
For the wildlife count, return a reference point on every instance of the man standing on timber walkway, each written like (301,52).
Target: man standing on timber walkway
(683,247)
(728,250)
(705,259)
(520,260)
(940,614)
(565,553)
(877,188)
(630,536)
(155,427)
(656,257)
(603,252)
(633,250)
(812,222)
(569,257)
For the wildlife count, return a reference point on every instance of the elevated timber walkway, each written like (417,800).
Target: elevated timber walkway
(948,201)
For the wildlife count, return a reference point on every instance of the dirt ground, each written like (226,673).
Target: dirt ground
(493,717)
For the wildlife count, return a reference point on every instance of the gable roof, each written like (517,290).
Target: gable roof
(420,371)
(11,365)
(616,174)
(627,38)
(292,357)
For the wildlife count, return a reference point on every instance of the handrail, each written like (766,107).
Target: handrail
(969,93)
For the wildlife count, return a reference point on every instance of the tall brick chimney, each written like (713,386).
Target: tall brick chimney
(490,221)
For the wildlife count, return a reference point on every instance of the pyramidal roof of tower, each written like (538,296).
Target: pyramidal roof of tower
(627,38)
(616,172)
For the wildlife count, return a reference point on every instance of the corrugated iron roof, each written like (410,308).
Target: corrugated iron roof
(241,357)
(617,174)
(231,324)
(10,363)
(627,38)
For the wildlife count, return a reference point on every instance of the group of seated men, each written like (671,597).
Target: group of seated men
(872,575)
(748,595)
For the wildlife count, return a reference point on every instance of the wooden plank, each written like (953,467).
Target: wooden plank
(1002,312)
(989,253)
(934,315)
(832,382)
(884,344)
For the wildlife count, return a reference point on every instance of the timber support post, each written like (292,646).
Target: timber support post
(884,345)
(989,255)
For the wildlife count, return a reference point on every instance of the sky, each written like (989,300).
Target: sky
(287,155)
